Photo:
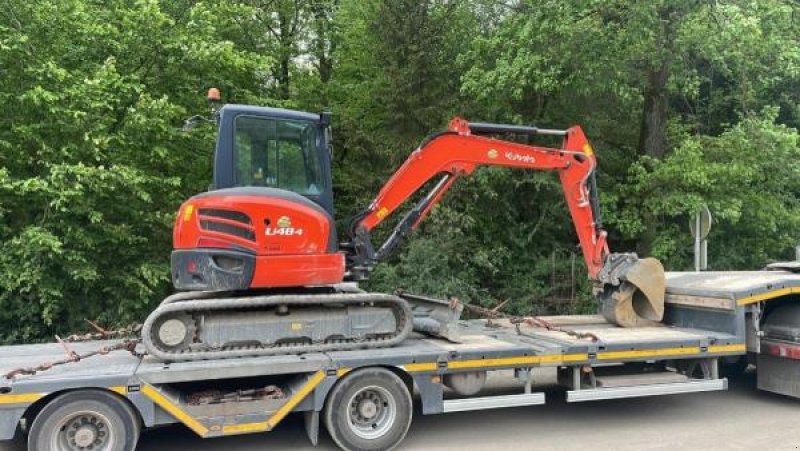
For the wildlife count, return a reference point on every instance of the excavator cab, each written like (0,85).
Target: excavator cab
(275,148)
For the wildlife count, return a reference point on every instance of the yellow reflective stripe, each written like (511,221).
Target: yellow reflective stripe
(502,361)
(174,410)
(342,371)
(120,390)
(301,394)
(461,364)
(23,398)
(509,361)
(567,358)
(641,353)
(728,348)
(276,417)
(246,428)
(768,295)
(30,398)
(419,367)
(563,358)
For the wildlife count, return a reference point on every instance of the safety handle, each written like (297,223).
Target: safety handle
(488,128)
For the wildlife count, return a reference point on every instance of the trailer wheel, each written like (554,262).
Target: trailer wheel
(369,410)
(84,420)
(733,366)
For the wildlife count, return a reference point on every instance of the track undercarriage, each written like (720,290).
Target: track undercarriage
(213,325)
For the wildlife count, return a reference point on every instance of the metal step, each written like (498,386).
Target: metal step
(635,391)
(630,380)
(493,402)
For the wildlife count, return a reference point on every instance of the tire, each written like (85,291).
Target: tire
(369,410)
(137,421)
(733,367)
(99,419)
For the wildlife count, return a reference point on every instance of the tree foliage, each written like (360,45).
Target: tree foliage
(687,102)
(94,164)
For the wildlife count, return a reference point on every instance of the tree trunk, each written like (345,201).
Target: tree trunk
(653,131)
(285,54)
(324,46)
(325,67)
(655,113)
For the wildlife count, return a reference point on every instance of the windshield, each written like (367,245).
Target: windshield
(278,153)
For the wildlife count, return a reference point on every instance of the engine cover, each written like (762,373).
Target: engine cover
(254,237)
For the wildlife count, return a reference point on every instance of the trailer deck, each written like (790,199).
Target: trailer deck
(741,287)
(482,346)
(148,382)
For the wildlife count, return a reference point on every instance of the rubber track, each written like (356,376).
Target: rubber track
(190,302)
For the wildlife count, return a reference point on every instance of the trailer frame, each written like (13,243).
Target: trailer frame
(704,324)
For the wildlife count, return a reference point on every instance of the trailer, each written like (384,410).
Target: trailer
(713,320)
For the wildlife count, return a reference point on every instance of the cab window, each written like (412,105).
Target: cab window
(277,153)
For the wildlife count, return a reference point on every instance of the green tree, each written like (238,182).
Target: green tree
(93,162)
(679,70)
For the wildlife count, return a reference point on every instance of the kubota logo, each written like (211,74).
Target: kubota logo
(284,228)
(513,156)
(284,221)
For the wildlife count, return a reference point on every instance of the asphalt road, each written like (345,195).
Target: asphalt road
(741,418)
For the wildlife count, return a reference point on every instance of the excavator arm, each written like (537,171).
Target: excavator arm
(457,153)
(465,146)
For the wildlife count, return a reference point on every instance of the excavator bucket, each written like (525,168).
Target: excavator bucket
(632,291)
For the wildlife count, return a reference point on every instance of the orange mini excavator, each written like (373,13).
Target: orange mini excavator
(258,260)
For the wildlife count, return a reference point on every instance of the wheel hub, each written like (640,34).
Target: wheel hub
(84,431)
(372,412)
(85,436)
(367,408)
(172,332)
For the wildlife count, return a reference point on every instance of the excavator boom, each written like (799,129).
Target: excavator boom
(458,152)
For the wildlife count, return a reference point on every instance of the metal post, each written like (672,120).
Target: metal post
(572,278)
(704,255)
(797,253)
(528,381)
(525,375)
(576,378)
(697,242)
